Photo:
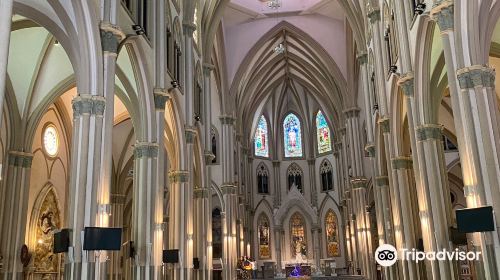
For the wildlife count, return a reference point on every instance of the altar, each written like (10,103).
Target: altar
(297,270)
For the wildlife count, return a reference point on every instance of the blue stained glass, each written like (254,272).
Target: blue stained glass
(261,138)
(292,136)
(323,132)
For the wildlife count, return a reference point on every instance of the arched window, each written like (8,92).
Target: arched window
(214,140)
(264,237)
(332,234)
(262,179)
(323,134)
(295,177)
(216,233)
(292,136)
(261,139)
(298,235)
(326,172)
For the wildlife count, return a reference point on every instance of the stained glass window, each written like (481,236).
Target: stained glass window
(324,138)
(292,136)
(298,235)
(264,237)
(332,237)
(261,138)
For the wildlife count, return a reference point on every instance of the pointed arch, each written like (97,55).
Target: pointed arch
(326,174)
(292,136)
(264,236)
(261,138)
(295,174)
(332,234)
(323,134)
(262,179)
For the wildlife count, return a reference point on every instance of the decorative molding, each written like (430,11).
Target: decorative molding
(362,58)
(228,188)
(442,13)
(209,157)
(382,181)
(370,149)
(276,163)
(406,84)
(20,159)
(161,96)
(359,182)
(146,150)
(352,112)
(118,198)
(224,119)
(201,193)
(311,161)
(178,176)
(374,16)
(188,28)
(208,68)
(476,76)
(429,132)
(85,104)
(190,133)
(384,125)
(111,36)
(402,163)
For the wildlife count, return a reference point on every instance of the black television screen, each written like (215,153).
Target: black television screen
(102,239)
(475,219)
(171,256)
(61,241)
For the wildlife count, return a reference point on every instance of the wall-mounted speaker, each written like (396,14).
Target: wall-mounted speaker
(61,241)
(171,256)
(475,219)
(102,239)
(196,263)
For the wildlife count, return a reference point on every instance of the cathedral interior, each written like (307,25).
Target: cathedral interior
(248,139)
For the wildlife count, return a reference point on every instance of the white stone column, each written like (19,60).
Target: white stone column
(178,183)
(15,212)
(278,232)
(5,29)
(434,215)
(117,206)
(316,230)
(312,178)
(277,184)
(201,228)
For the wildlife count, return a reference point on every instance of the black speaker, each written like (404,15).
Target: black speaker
(61,241)
(457,237)
(102,239)
(196,263)
(171,256)
(475,219)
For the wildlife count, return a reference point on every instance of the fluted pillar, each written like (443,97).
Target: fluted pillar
(312,178)
(15,212)
(384,220)
(83,202)
(201,228)
(277,184)
(433,191)
(117,207)
(278,231)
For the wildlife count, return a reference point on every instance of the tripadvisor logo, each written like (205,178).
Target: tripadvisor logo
(387,255)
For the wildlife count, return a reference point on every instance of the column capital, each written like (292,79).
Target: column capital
(429,131)
(359,182)
(201,193)
(178,176)
(209,157)
(476,76)
(20,159)
(188,28)
(311,161)
(406,84)
(87,104)
(362,58)
(370,149)
(374,16)
(228,188)
(276,163)
(111,36)
(161,96)
(384,125)
(352,112)
(226,119)
(381,181)
(208,68)
(442,13)
(278,228)
(145,150)
(190,133)
(402,163)
(118,198)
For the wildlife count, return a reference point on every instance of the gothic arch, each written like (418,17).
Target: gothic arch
(295,199)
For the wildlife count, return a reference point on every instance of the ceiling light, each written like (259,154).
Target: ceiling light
(279,49)
(274,4)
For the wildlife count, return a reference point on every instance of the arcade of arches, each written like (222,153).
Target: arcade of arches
(302,134)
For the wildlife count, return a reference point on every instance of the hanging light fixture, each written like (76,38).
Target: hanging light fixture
(274,4)
(279,49)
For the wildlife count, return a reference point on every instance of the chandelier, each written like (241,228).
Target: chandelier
(274,4)
(279,49)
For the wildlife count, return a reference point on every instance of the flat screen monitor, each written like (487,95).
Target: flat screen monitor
(102,239)
(61,241)
(475,219)
(171,256)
